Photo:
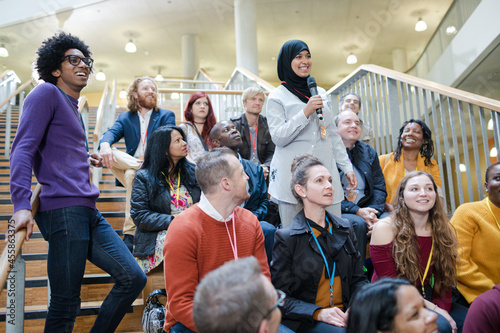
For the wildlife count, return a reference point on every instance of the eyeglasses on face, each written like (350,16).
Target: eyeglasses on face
(75,60)
(279,302)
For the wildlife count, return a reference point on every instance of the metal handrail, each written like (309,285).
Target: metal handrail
(437,88)
(457,119)
(10,253)
(104,119)
(18,90)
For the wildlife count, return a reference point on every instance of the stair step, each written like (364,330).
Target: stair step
(87,309)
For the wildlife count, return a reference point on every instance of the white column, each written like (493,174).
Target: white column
(246,35)
(399,60)
(190,55)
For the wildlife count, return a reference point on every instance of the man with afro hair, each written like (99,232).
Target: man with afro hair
(51,142)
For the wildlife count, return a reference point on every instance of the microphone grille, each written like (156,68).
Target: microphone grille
(311,82)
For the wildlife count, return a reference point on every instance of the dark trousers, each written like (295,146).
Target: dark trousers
(76,234)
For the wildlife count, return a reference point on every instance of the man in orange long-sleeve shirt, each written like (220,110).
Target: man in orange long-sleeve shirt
(207,235)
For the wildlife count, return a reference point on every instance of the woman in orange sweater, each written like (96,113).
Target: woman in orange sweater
(413,153)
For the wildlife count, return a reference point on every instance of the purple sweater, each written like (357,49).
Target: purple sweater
(50,140)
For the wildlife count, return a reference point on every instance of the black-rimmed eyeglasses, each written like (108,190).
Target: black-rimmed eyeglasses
(75,60)
(279,302)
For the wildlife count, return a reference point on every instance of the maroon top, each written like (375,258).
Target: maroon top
(383,264)
(484,312)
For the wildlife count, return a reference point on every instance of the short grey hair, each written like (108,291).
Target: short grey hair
(211,167)
(232,298)
(347,94)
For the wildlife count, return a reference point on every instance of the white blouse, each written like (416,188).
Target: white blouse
(294,134)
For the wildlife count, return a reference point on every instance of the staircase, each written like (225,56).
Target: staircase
(96,283)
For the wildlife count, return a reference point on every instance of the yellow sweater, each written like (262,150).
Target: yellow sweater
(395,171)
(479,248)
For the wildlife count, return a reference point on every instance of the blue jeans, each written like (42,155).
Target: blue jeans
(76,234)
(179,328)
(360,229)
(458,313)
(269,230)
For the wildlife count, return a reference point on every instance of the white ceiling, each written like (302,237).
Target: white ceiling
(370,29)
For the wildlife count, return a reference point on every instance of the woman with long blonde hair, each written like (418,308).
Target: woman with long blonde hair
(417,243)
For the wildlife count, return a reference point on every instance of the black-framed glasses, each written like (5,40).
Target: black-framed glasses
(75,60)
(279,302)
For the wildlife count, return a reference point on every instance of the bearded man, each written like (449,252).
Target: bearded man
(135,126)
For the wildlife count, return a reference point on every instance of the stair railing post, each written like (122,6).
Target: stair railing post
(21,103)
(14,313)
(8,124)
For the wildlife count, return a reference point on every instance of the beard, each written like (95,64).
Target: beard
(146,102)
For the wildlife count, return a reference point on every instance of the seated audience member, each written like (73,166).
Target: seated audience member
(205,236)
(417,243)
(478,233)
(256,143)
(484,313)
(413,153)
(200,119)
(390,305)
(163,187)
(224,134)
(135,126)
(315,259)
(237,297)
(352,101)
(365,205)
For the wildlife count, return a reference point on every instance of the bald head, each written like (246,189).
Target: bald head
(224,134)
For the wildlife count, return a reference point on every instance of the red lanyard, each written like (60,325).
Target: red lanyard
(298,92)
(254,141)
(145,138)
(233,246)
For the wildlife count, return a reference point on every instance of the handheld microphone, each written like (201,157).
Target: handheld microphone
(313,88)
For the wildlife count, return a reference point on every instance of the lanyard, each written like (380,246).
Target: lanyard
(254,141)
(422,279)
(233,246)
(143,141)
(78,116)
(298,92)
(332,275)
(176,198)
(488,203)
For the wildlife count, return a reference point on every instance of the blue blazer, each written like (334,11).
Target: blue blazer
(127,125)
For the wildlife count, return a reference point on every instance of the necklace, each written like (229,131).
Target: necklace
(196,122)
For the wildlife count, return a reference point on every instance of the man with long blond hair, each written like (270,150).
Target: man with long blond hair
(135,126)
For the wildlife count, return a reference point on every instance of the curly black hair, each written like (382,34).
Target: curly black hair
(427,149)
(52,51)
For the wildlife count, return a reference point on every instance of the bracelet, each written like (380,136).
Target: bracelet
(435,306)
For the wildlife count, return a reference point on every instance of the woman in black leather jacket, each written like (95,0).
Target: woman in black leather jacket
(163,187)
(308,250)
